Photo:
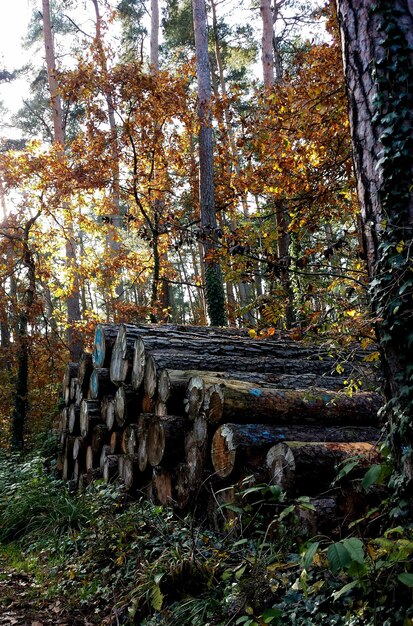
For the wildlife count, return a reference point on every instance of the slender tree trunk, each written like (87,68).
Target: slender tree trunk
(270,60)
(267,43)
(214,288)
(112,236)
(72,301)
(19,415)
(377,44)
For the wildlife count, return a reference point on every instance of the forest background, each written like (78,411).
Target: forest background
(102,217)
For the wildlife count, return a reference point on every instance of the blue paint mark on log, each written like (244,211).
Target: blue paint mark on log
(255,392)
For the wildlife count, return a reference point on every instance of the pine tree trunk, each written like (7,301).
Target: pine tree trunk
(377,44)
(214,288)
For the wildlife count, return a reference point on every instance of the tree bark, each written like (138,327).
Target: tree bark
(214,288)
(377,44)
(235,446)
(73,299)
(310,468)
(241,402)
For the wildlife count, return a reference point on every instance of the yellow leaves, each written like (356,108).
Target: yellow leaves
(400,246)
(374,357)
(351,313)
(252,333)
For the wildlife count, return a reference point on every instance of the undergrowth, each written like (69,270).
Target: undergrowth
(130,562)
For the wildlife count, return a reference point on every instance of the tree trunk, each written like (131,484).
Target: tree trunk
(21,389)
(73,299)
(377,43)
(214,288)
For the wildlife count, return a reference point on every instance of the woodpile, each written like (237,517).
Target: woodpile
(182,414)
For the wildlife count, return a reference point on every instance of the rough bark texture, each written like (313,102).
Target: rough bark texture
(213,277)
(245,403)
(377,44)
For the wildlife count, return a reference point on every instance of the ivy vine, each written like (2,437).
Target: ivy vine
(392,288)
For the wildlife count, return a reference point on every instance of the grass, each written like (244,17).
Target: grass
(139,564)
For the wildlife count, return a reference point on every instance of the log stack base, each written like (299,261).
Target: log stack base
(175,412)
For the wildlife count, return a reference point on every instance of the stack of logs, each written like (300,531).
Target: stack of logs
(179,413)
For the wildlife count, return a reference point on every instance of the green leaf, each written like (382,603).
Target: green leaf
(309,555)
(286,511)
(270,614)
(371,476)
(406,579)
(347,469)
(240,571)
(156,598)
(355,548)
(338,557)
(345,589)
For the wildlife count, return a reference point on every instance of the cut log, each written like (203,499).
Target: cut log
(73,425)
(71,371)
(200,430)
(122,355)
(100,437)
(182,487)
(92,459)
(104,340)
(161,409)
(111,468)
(148,404)
(108,411)
(166,439)
(126,405)
(63,419)
(195,459)
(90,416)
(130,470)
(227,345)
(138,364)
(79,450)
(100,383)
(143,424)
(74,385)
(235,445)
(116,442)
(130,443)
(162,486)
(309,468)
(157,361)
(104,453)
(241,402)
(85,371)
(172,384)
(194,397)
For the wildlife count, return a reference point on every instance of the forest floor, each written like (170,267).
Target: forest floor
(25,602)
